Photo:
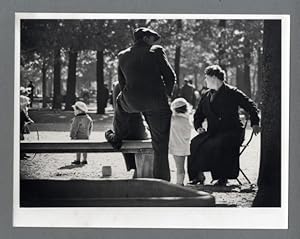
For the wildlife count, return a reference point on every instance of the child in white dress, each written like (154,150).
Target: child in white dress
(180,136)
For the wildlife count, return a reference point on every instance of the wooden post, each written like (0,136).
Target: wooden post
(144,165)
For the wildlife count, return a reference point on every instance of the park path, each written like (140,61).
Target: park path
(55,126)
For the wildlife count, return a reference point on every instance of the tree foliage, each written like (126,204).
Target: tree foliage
(191,45)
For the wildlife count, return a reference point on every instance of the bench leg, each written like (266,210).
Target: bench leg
(144,165)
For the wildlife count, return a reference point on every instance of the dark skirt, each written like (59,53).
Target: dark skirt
(217,153)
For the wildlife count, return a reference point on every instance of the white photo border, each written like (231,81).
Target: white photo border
(158,217)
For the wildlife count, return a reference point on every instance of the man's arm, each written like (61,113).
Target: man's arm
(121,77)
(169,76)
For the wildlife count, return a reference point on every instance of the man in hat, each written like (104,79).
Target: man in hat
(146,81)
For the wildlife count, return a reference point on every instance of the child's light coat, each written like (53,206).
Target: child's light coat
(180,134)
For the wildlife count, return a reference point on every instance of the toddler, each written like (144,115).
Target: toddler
(81,127)
(180,135)
(25,120)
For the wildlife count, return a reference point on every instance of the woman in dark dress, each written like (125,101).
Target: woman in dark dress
(217,148)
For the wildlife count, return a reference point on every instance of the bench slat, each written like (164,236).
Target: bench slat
(129,146)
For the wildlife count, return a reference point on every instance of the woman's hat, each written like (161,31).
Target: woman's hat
(179,102)
(80,106)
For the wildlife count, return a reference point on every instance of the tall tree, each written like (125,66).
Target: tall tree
(100,83)
(43,38)
(245,38)
(222,45)
(269,181)
(246,84)
(178,50)
(71,81)
(259,75)
(57,79)
(44,81)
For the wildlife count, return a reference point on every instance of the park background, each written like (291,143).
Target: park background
(69,60)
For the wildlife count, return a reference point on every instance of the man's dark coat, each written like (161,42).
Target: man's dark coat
(146,78)
(217,150)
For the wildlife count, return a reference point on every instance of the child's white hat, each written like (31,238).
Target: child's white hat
(80,106)
(179,102)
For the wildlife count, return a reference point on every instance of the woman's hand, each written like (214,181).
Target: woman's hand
(256,129)
(200,130)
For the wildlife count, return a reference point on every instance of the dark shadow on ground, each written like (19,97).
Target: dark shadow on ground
(210,188)
(72,166)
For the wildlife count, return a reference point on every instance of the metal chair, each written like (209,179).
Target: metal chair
(243,148)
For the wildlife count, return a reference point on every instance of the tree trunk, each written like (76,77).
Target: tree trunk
(239,77)
(269,180)
(259,76)
(56,81)
(44,84)
(100,83)
(196,78)
(246,79)
(243,76)
(178,52)
(71,82)
(177,64)
(222,43)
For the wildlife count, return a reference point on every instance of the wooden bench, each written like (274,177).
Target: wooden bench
(141,148)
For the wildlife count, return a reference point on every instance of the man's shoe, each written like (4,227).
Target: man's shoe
(84,162)
(113,140)
(197,181)
(76,162)
(222,182)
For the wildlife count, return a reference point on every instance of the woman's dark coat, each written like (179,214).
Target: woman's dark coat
(217,150)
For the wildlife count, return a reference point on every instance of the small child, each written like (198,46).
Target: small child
(81,127)
(24,116)
(25,120)
(180,135)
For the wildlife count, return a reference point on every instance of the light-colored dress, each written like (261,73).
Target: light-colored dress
(180,134)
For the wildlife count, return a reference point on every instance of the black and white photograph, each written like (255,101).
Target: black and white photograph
(151,120)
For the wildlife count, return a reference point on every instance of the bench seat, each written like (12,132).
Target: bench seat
(89,146)
(141,148)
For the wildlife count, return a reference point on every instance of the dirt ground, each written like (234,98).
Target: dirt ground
(50,125)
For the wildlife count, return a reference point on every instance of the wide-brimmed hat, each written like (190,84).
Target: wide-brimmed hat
(140,32)
(179,102)
(80,106)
